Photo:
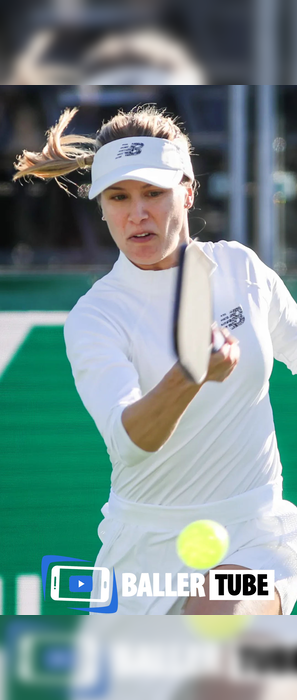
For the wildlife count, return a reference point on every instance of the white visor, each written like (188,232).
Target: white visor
(149,159)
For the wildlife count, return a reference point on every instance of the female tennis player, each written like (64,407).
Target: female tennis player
(179,451)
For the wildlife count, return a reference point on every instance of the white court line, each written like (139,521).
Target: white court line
(28,595)
(3,673)
(15,326)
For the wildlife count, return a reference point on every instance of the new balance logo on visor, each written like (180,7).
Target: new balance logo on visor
(234,319)
(132,149)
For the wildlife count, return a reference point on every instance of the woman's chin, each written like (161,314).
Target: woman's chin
(154,262)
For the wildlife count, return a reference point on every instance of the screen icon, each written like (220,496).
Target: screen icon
(67,586)
(76,580)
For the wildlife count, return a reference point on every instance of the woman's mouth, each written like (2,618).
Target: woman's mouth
(142,237)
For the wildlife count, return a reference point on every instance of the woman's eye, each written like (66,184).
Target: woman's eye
(121,197)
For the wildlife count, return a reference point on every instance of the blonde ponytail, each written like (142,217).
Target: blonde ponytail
(64,154)
(61,154)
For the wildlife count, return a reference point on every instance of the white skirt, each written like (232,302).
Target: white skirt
(141,538)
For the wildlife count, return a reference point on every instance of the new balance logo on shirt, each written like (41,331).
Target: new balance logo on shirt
(234,319)
(132,149)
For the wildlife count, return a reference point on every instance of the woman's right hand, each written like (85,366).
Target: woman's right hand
(223,362)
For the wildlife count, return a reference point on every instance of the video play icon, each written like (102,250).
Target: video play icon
(80,584)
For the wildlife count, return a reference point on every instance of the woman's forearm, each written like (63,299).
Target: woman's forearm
(151,421)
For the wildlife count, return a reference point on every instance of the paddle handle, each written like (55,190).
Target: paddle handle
(218,340)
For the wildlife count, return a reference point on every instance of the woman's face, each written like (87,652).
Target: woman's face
(132,208)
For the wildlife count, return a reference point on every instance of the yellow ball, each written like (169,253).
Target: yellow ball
(203,544)
(219,627)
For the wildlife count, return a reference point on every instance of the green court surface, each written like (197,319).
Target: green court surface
(55,471)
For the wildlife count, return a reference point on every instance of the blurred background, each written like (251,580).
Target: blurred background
(55,472)
(232,42)
(245,145)
(122,659)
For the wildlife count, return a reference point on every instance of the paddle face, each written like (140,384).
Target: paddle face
(193,333)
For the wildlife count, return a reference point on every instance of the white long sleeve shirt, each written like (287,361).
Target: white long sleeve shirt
(120,345)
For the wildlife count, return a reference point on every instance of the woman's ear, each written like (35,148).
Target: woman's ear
(189,198)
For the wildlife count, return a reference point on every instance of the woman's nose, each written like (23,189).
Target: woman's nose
(137,211)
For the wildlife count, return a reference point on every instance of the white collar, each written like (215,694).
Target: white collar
(152,281)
